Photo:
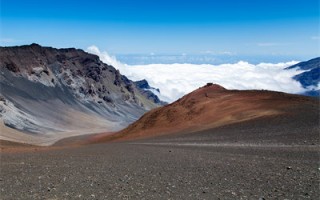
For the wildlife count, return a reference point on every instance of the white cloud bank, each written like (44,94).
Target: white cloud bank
(176,80)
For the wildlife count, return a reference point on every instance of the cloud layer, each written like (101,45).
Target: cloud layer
(176,80)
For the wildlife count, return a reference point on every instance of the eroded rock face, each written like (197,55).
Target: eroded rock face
(81,72)
(79,79)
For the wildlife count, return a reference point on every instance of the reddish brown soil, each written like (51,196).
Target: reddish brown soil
(205,108)
(15,147)
(70,142)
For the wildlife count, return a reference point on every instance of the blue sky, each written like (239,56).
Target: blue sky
(242,27)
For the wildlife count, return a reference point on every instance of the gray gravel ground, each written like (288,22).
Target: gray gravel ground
(147,171)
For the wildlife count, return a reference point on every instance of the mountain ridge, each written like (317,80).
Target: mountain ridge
(310,78)
(47,91)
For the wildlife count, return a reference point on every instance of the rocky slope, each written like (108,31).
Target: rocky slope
(148,91)
(50,93)
(210,107)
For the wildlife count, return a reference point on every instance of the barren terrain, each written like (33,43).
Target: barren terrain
(270,158)
(265,146)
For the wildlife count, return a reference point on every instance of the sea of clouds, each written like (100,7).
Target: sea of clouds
(176,80)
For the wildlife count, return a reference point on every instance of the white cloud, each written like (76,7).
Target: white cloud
(176,80)
(104,56)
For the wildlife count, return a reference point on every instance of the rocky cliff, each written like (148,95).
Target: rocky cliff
(48,92)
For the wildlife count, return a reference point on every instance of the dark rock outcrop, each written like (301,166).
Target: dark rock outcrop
(311,77)
(146,90)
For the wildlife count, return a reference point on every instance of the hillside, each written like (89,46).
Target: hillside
(210,107)
(49,93)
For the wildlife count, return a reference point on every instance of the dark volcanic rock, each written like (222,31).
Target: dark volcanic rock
(146,90)
(12,67)
(307,65)
(309,78)
(107,99)
(143,84)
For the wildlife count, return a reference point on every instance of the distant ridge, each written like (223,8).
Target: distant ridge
(310,79)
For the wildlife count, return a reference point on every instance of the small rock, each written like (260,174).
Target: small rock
(289,167)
